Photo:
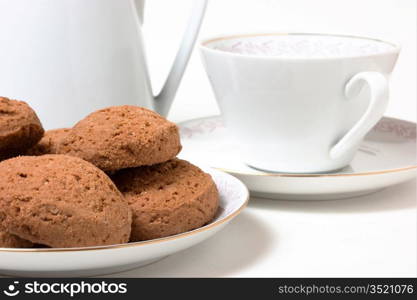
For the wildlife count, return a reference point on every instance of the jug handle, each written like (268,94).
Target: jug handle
(163,101)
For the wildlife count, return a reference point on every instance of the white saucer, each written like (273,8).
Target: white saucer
(386,157)
(94,261)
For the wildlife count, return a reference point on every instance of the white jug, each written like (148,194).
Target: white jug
(68,58)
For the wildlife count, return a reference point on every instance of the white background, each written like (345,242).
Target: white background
(368,236)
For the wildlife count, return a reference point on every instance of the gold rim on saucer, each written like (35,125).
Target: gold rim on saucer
(320,175)
(306,175)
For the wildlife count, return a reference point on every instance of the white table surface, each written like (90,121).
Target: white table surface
(368,236)
(373,235)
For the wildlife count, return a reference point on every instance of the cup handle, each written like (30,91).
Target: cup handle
(379,101)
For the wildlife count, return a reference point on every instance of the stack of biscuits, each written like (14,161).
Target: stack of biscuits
(112,178)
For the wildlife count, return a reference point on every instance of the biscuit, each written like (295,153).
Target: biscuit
(123,137)
(8,240)
(20,128)
(61,201)
(49,143)
(168,199)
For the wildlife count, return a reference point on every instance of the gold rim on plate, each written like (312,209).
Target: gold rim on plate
(137,244)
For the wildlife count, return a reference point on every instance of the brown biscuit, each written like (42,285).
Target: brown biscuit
(168,198)
(8,240)
(49,143)
(123,137)
(20,128)
(61,201)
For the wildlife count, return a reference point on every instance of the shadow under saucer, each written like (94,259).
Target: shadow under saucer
(402,196)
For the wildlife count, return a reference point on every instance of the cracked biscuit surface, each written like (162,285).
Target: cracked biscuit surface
(61,201)
(168,199)
(122,137)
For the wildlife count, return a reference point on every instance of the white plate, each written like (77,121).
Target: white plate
(386,157)
(94,261)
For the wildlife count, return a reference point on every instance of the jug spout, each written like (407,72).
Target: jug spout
(163,101)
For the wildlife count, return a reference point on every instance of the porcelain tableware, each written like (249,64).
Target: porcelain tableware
(299,103)
(386,157)
(94,261)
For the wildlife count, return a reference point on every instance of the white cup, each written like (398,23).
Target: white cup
(299,103)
